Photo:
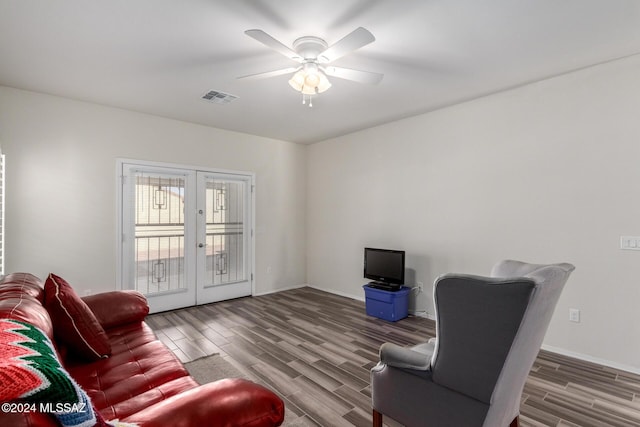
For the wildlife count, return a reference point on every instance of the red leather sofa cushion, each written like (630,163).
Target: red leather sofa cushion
(139,373)
(73,322)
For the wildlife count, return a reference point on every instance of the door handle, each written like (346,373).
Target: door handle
(201,245)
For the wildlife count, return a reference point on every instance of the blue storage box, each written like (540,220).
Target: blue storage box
(387,305)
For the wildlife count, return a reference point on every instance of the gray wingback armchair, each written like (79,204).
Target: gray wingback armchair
(488,333)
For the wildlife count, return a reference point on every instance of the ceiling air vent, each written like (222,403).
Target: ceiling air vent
(218,97)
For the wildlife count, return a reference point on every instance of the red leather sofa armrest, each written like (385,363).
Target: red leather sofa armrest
(118,308)
(227,402)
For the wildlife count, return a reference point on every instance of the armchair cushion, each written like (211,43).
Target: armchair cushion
(415,400)
(73,322)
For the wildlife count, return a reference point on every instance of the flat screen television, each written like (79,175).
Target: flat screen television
(385,267)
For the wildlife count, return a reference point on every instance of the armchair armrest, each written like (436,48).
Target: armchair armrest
(118,308)
(234,401)
(418,357)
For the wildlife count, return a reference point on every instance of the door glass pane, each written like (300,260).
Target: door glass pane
(225,237)
(159,233)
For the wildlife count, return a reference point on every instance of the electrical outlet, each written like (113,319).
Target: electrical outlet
(420,285)
(574,315)
(630,243)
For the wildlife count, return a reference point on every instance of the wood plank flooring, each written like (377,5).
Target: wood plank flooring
(315,350)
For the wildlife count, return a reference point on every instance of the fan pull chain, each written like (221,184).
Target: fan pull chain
(304,101)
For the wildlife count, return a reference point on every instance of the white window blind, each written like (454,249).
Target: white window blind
(1,213)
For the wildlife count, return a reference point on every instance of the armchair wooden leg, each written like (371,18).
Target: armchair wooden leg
(515,422)
(377,419)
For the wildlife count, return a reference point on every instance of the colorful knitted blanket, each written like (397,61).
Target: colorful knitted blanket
(33,380)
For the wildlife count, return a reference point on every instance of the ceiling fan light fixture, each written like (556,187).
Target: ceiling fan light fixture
(308,90)
(297,81)
(324,83)
(310,80)
(311,71)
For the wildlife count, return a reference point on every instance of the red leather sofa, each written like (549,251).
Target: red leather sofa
(141,381)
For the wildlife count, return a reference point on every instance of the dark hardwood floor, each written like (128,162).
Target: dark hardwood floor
(315,350)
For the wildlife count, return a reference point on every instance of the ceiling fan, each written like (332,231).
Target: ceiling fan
(313,54)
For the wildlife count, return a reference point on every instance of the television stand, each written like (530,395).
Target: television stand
(391,305)
(384,286)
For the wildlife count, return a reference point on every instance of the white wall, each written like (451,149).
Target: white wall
(61,185)
(548,172)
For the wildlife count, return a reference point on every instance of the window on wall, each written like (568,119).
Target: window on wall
(1,213)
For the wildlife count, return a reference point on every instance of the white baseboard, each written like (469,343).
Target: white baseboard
(275,291)
(587,358)
(342,294)
(425,314)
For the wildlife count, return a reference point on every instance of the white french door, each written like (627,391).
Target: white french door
(223,237)
(186,235)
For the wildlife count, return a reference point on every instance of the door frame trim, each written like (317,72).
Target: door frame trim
(119,237)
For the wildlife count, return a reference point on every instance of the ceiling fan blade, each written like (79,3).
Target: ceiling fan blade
(354,40)
(268,74)
(359,76)
(274,44)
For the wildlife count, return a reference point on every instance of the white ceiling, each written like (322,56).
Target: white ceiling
(160,56)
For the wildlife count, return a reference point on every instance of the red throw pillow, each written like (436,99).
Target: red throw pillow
(73,321)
